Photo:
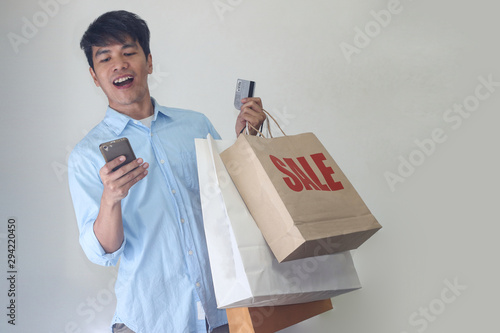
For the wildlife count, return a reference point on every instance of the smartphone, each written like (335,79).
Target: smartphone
(244,89)
(112,149)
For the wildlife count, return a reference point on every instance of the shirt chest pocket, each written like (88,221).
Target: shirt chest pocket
(186,169)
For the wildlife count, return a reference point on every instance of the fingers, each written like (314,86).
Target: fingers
(252,107)
(127,168)
(251,112)
(108,167)
(131,173)
(117,183)
(255,100)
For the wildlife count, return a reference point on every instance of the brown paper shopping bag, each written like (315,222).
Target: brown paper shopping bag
(270,319)
(244,269)
(302,202)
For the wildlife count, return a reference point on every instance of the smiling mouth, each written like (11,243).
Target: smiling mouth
(122,81)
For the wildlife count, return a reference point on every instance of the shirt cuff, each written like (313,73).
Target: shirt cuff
(95,251)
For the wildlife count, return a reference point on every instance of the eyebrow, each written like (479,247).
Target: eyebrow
(125,46)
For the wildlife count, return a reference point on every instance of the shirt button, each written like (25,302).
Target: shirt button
(182,221)
(173,191)
(162,161)
(190,252)
(198,284)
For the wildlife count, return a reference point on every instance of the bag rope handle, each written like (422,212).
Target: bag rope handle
(268,126)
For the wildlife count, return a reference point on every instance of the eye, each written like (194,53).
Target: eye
(105,59)
(130,54)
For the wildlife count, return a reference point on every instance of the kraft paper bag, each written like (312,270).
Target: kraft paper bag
(271,319)
(301,200)
(245,272)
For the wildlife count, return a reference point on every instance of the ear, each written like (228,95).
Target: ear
(94,77)
(150,64)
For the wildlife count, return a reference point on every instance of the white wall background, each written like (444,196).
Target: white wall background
(440,224)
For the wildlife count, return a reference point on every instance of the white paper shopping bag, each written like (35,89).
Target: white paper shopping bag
(245,271)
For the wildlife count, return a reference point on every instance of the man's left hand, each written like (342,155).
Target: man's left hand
(251,112)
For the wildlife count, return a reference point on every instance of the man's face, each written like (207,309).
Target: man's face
(121,70)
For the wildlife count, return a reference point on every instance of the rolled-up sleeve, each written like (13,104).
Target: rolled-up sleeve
(86,190)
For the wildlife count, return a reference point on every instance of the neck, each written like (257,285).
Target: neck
(136,110)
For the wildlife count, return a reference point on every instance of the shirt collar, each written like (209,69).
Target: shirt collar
(117,121)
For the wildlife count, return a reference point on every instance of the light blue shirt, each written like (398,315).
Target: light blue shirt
(164,282)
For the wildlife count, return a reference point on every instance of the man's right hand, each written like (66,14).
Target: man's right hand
(117,183)
(108,226)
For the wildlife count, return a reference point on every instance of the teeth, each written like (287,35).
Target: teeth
(120,80)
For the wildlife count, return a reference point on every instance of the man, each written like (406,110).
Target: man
(146,213)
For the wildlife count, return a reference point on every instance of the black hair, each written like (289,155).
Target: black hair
(115,26)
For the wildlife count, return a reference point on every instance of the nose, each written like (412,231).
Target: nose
(120,63)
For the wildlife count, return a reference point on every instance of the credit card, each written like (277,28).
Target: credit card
(244,89)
